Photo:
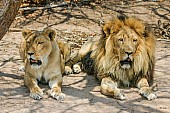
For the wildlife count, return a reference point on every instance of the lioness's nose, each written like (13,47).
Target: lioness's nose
(30,53)
(128,53)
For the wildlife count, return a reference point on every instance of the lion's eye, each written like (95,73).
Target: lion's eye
(40,42)
(28,42)
(120,39)
(134,40)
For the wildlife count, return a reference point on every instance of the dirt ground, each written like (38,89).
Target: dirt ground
(75,25)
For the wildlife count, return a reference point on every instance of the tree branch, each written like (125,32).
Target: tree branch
(7,15)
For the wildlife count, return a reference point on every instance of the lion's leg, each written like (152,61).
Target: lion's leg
(55,85)
(77,67)
(65,57)
(145,90)
(75,63)
(75,59)
(68,70)
(109,88)
(65,69)
(31,83)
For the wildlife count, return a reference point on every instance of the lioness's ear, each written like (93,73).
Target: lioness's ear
(50,33)
(25,32)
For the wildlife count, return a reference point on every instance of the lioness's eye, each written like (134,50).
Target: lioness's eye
(40,42)
(120,39)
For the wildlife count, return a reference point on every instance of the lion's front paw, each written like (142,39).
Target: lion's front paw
(57,95)
(76,68)
(148,93)
(119,94)
(68,70)
(36,93)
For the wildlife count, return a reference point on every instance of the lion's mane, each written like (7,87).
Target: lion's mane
(106,56)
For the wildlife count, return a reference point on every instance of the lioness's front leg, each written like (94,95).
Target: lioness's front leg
(109,88)
(31,83)
(55,85)
(145,90)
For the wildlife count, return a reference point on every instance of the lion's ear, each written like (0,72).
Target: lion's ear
(25,32)
(106,29)
(50,33)
(147,30)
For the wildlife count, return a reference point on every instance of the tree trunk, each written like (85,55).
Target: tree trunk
(8,11)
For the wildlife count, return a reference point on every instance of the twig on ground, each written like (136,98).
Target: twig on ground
(42,8)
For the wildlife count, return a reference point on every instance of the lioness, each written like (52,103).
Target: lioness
(123,56)
(44,61)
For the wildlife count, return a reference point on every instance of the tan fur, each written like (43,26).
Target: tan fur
(44,59)
(124,56)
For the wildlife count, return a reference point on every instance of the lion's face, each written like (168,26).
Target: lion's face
(126,42)
(38,47)
(123,40)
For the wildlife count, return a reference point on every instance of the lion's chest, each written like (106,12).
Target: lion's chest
(124,79)
(125,83)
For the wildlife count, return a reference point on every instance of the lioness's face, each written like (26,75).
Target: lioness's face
(38,48)
(126,41)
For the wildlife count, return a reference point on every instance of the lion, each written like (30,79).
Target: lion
(44,61)
(124,56)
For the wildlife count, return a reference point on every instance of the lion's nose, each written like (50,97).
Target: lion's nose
(30,53)
(129,53)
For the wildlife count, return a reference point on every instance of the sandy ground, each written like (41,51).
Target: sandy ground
(75,25)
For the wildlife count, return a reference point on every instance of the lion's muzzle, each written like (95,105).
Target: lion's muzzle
(127,60)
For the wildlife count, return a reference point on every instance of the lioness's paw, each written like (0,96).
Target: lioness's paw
(57,95)
(76,68)
(148,93)
(36,93)
(68,70)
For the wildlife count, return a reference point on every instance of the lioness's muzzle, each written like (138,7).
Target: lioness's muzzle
(37,62)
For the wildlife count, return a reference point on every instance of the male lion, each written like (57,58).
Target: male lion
(44,60)
(123,56)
